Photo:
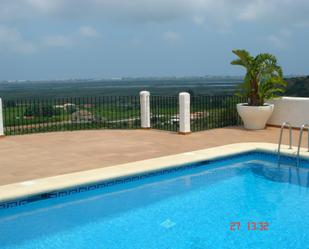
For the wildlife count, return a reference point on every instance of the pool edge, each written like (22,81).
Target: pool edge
(55,183)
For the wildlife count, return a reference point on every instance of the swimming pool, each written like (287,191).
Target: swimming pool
(243,201)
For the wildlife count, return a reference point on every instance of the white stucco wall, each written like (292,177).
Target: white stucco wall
(290,109)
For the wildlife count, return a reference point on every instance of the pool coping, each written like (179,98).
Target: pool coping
(55,183)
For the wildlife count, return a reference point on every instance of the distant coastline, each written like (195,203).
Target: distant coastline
(119,87)
(152,78)
(124,86)
(108,79)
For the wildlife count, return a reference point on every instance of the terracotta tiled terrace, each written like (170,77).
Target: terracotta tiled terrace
(48,154)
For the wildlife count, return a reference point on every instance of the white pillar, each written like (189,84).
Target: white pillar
(1,119)
(184,113)
(145,109)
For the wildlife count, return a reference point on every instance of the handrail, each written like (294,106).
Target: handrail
(285,124)
(300,139)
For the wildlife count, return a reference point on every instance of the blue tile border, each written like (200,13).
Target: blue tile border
(105,184)
(117,181)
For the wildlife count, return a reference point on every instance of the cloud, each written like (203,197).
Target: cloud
(277,42)
(281,39)
(88,31)
(67,40)
(57,41)
(44,5)
(11,39)
(199,20)
(218,12)
(171,36)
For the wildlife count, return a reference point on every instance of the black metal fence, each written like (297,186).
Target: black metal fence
(44,115)
(26,116)
(209,112)
(164,113)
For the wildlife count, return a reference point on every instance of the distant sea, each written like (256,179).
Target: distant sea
(118,87)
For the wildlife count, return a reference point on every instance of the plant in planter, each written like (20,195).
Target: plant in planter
(263,81)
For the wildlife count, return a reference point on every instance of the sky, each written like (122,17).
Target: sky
(62,39)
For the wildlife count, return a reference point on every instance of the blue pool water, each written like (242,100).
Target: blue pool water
(190,209)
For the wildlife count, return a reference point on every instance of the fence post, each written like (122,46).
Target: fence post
(184,113)
(145,109)
(1,120)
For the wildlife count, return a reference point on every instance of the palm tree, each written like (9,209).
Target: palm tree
(264,77)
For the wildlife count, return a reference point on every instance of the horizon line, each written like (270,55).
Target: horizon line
(135,77)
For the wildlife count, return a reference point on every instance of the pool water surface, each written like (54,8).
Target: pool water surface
(246,201)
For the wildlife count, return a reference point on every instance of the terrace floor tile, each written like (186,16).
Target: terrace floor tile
(29,157)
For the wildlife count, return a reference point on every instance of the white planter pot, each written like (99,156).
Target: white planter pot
(255,117)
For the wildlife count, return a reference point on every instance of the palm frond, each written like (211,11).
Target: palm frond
(264,77)
(243,56)
(238,62)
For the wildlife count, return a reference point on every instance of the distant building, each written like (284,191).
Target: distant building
(197,115)
(174,119)
(87,105)
(68,105)
(59,106)
(82,116)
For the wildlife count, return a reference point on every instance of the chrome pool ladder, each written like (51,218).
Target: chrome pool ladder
(285,124)
(304,126)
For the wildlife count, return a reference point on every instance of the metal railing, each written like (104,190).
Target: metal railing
(164,113)
(208,112)
(26,116)
(304,126)
(285,124)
